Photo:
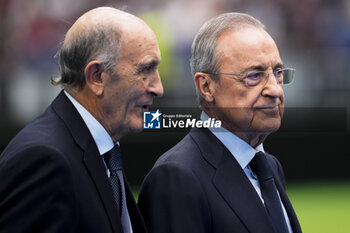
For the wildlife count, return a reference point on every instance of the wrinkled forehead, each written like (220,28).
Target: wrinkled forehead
(137,38)
(247,46)
(139,47)
(136,31)
(245,38)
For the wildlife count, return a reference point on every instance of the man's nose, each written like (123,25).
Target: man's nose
(155,86)
(272,87)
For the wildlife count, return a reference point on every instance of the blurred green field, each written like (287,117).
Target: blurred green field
(322,207)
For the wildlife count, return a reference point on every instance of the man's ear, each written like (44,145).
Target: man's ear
(205,86)
(93,77)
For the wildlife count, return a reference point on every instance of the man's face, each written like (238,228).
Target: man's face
(242,109)
(131,93)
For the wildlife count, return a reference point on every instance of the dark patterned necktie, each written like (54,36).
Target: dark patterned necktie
(114,162)
(269,193)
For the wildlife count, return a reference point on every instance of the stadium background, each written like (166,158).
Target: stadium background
(313,37)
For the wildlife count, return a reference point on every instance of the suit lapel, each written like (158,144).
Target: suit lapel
(92,159)
(137,222)
(235,187)
(233,184)
(288,206)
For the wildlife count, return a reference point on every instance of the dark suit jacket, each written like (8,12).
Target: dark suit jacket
(199,187)
(52,179)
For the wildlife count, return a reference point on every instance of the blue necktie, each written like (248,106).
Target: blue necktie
(269,193)
(114,162)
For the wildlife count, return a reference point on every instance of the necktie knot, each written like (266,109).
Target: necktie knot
(261,167)
(113,159)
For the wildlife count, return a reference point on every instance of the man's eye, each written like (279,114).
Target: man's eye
(279,73)
(148,69)
(254,75)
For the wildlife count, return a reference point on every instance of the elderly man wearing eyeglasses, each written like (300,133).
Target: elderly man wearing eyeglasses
(221,179)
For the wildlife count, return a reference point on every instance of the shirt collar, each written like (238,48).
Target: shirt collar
(102,139)
(241,150)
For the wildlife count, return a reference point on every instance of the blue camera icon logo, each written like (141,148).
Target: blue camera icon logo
(151,120)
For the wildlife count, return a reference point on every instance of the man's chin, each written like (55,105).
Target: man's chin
(136,126)
(266,126)
(136,129)
(270,128)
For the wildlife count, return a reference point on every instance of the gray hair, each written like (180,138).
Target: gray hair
(100,42)
(203,57)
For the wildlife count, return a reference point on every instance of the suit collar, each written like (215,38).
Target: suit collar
(241,150)
(92,160)
(100,135)
(210,146)
(74,122)
(227,171)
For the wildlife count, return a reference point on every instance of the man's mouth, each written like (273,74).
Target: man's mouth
(269,109)
(145,107)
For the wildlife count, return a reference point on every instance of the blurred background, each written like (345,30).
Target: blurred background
(313,37)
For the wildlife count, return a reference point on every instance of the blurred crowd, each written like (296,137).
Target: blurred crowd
(313,36)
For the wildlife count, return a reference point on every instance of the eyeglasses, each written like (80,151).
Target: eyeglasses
(254,78)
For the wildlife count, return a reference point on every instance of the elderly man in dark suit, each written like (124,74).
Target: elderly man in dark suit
(63,171)
(220,179)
